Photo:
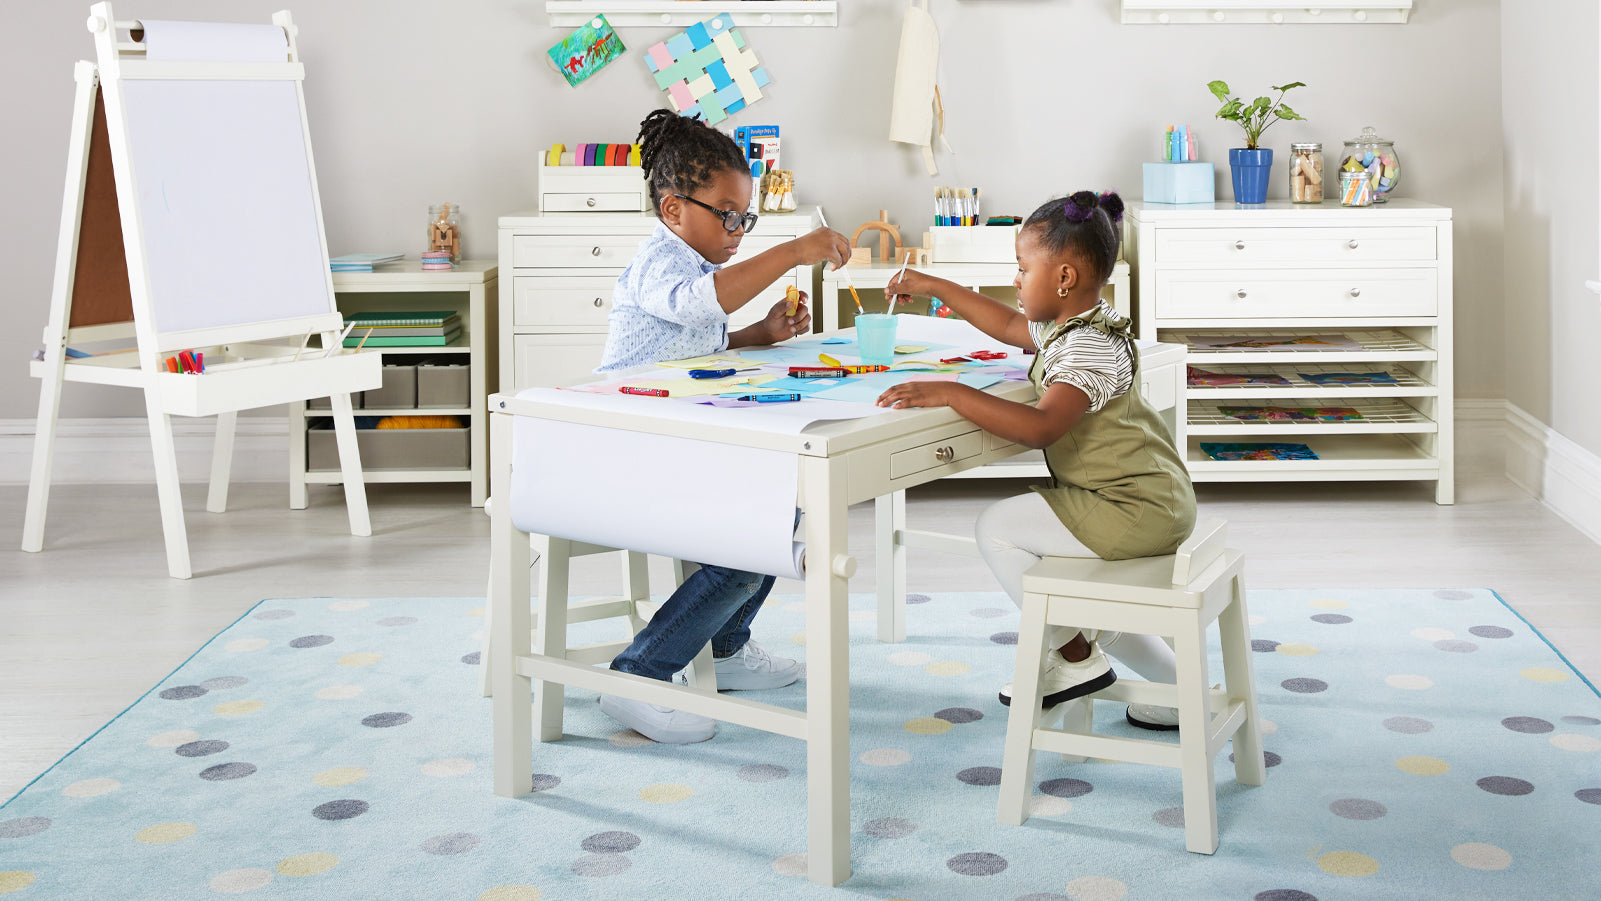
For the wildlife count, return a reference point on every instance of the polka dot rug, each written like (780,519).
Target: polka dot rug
(1420,744)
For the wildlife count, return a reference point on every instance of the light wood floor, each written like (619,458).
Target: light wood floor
(93,622)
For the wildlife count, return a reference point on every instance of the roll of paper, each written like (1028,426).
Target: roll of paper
(213,42)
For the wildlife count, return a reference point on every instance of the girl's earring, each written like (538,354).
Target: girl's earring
(1061,292)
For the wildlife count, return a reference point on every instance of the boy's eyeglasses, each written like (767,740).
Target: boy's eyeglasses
(732,219)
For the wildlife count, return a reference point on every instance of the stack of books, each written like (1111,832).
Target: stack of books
(397,329)
(363,262)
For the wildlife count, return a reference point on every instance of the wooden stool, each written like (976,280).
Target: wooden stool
(1177,597)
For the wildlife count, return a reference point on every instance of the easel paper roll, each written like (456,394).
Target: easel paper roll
(214,42)
(675,497)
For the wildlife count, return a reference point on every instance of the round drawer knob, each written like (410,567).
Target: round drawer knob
(944,454)
(1239,245)
(1356,292)
(589,202)
(1351,244)
(600,302)
(1240,293)
(594,251)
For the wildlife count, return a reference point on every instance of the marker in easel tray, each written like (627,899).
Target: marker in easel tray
(646,392)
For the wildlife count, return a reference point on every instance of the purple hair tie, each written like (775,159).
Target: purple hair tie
(1074,212)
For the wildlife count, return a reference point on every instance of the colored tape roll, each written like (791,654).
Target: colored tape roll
(619,155)
(590,152)
(553,157)
(568,160)
(633,155)
(579,151)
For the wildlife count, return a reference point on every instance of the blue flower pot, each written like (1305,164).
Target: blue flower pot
(1250,169)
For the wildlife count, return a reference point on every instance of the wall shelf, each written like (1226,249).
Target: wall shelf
(746,13)
(1264,12)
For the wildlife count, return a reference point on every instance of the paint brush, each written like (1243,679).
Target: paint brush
(849,283)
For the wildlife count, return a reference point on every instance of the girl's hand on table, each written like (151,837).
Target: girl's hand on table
(919,394)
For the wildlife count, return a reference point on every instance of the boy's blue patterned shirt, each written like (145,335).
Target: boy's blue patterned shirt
(664,306)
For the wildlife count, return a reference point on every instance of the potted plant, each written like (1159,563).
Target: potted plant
(1250,165)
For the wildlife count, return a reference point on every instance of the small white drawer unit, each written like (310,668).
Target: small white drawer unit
(562,270)
(1377,278)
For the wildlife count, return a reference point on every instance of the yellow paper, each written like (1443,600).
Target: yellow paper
(910,348)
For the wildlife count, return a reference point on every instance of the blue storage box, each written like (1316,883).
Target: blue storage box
(1179,183)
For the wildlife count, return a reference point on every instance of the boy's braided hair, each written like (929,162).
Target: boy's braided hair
(680,154)
(1085,225)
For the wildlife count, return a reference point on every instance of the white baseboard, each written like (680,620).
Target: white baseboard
(1563,475)
(117,450)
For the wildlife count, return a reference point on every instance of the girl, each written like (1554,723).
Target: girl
(1118,486)
(672,302)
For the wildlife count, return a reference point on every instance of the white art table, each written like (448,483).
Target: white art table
(827,464)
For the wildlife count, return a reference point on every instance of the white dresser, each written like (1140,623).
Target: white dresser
(1376,278)
(558,271)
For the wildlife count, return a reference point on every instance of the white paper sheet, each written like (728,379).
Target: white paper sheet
(214,42)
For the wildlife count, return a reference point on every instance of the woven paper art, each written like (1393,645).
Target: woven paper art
(707,70)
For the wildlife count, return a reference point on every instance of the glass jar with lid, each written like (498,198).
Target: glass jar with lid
(1376,157)
(1306,173)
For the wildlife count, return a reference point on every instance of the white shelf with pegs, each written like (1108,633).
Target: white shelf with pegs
(1264,12)
(747,14)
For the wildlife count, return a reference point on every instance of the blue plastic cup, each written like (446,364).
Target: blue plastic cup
(875,338)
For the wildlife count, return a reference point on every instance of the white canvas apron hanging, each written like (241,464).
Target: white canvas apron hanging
(916,114)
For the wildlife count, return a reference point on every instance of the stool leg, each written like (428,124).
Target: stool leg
(555,555)
(1078,716)
(1195,764)
(636,587)
(1017,763)
(1233,626)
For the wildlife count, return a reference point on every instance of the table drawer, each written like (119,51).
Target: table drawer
(1241,295)
(554,360)
(1158,388)
(1311,246)
(578,302)
(575,251)
(596,202)
(936,453)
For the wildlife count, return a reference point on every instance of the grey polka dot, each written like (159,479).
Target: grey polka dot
(1066,788)
(223,772)
(918,599)
(1043,896)
(1531,725)
(1453,595)
(311,641)
(1264,645)
(1004,638)
(545,782)
(1456,646)
(977,863)
(471,659)
(274,614)
(889,827)
(397,620)
(1582,720)
(23,826)
(385,720)
(610,842)
(959,715)
(1408,725)
(601,864)
(342,809)
(1357,809)
(1305,686)
(763,772)
(182,693)
(981,775)
(1269,759)
(1170,816)
(1505,785)
(201,748)
(1283,894)
(223,683)
(1491,632)
(1589,795)
(451,843)
(1331,619)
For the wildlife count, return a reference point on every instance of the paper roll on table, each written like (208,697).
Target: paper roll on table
(221,42)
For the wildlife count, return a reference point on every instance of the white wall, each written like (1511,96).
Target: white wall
(413,103)
(1551,65)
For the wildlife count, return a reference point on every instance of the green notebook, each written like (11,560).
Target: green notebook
(399,317)
(377,340)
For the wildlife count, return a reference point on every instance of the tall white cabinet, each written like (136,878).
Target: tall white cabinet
(562,268)
(1377,276)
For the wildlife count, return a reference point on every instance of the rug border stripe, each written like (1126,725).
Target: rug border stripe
(1540,635)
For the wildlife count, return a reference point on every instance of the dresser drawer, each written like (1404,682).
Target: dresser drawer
(574,251)
(1290,294)
(577,302)
(1237,247)
(936,453)
(595,201)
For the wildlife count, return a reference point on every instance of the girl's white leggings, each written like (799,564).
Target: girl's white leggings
(1015,533)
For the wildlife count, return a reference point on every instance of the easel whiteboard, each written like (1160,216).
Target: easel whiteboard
(226,204)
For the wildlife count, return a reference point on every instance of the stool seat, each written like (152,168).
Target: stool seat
(1177,596)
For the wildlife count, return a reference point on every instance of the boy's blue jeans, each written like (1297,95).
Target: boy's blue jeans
(714,604)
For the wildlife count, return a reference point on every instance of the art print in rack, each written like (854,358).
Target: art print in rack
(707,71)
(586,51)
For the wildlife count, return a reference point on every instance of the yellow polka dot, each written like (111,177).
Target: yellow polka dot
(1567,741)
(1347,863)
(665,793)
(927,725)
(307,864)
(1048,806)
(1297,649)
(88,788)
(360,658)
(1328,604)
(628,738)
(798,638)
(790,865)
(339,775)
(1480,856)
(163,833)
(476,611)
(947,668)
(512,893)
(1543,674)
(15,881)
(1422,766)
(237,708)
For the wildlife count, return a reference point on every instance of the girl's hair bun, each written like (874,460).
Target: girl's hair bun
(1112,204)
(1079,206)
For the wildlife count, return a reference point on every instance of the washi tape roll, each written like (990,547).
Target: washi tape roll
(591,152)
(553,157)
(568,159)
(619,155)
(633,156)
(579,152)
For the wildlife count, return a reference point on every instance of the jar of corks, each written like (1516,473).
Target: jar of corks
(1306,173)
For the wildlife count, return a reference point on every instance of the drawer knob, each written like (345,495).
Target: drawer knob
(945,454)
(1356,292)
(600,302)
(1240,294)
(589,202)
(594,251)
(1351,244)
(1239,245)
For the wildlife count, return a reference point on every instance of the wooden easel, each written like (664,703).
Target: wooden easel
(145,255)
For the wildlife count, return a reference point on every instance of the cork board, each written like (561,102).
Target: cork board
(100,292)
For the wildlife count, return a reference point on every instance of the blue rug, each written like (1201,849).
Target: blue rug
(1421,744)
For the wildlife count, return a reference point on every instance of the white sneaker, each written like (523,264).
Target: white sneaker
(1061,680)
(1150,716)
(753,668)
(663,724)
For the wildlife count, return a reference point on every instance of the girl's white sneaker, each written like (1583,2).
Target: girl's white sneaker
(1063,680)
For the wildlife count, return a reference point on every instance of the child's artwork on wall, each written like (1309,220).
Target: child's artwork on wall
(586,51)
(707,71)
